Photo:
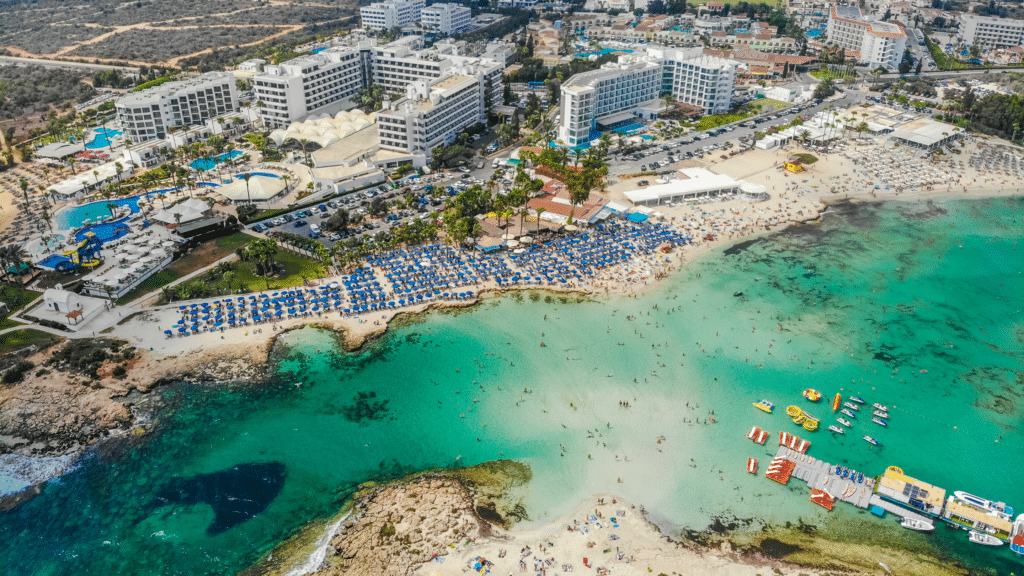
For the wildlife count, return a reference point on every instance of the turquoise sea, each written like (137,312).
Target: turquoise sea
(916,306)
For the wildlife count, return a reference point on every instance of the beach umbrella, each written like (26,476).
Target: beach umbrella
(168,332)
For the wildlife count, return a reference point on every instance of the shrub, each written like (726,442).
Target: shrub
(17,372)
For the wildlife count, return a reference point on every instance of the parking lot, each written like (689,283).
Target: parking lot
(430,193)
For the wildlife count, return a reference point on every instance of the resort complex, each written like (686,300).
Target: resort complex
(398,292)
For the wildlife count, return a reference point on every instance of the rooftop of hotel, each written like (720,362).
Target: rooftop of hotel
(146,95)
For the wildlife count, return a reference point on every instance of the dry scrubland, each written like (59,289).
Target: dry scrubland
(123,30)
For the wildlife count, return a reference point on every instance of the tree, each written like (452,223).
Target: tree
(824,89)
(917,70)
(248,195)
(177,219)
(229,276)
(540,210)
(112,207)
(23,184)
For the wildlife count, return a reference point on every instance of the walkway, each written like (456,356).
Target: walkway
(822,475)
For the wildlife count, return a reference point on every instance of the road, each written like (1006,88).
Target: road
(18,61)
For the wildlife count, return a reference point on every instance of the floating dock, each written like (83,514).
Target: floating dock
(900,511)
(820,475)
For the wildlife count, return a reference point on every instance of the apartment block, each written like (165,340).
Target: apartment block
(619,92)
(153,112)
(870,42)
(387,15)
(990,32)
(433,112)
(446,18)
(325,81)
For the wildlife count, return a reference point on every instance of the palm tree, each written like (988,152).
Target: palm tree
(112,207)
(177,219)
(71,164)
(15,257)
(246,177)
(229,276)
(304,143)
(118,167)
(24,188)
(540,210)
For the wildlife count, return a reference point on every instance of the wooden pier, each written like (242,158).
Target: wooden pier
(821,475)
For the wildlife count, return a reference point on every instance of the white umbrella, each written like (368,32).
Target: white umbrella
(571,227)
(512,243)
(525,239)
(508,236)
(167,243)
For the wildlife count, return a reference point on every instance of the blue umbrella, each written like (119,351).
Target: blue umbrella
(168,332)
(218,324)
(182,329)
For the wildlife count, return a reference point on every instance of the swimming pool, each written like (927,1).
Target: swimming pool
(601,52)
(630,128)
(210,163)
(101,138)
(267,174)
(71,217)
(105,231)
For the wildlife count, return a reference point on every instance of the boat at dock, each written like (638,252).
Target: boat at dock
(881,407)
(1017,538)
(752,465)
(851,406)
(835,401)
(836,429)
(998,509)
(871,440)
(844,422)
(857,400)
(915,524)
(879,421)
(848,413)
(984,539)
(764,405)
(880,414)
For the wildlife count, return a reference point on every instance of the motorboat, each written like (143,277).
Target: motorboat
(984,539)
(871,440)
(737,294)
(879,421)
(1017,538)
(836,429)
(851,406)
(860,477)
(881,407)
(880,414)
(999,509)
(844,422)
(915,524)
(764,405)
(848,413)
(846,472)
(839,469)
(857,399)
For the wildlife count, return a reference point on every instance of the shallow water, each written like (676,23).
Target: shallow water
(861,303)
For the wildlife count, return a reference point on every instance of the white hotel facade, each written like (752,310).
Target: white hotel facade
(990,32)
(387,15)
(873,43)
(153,112)
(443,93)
(633,87)
(446,18)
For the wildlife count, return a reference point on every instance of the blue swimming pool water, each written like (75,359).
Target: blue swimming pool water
(267,174)
(210,163)
(813,33)
(105,231)
(630,128)
(601,52)
(52,261)
(101,138)
(647,137)
(73,217)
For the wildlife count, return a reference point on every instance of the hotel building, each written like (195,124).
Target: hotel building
(446,18)
(870,42)
(387,15)
(619,92)
(308,84)
(153,112)
(990,32)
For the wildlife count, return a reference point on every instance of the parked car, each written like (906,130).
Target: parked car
(299,223)
(643,183)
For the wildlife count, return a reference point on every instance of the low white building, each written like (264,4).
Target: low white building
(261,191)
(693,183)
(68,308)
(446,18)
(182,213)
(91,179)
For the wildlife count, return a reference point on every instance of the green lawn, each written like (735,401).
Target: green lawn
(837,75)
(199,258)
(13,341)
(14,297)
(298,269)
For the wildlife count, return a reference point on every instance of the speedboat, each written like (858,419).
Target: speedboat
(764,405)
(984,539)
(881,407)
(836,429)
(844,422)
(851,405)
(880,414)
(848,413)
(871,440)
(737,294)
(999,509)
(879,421)
(915,524)
(839,471)
(1017,539)
(846,472)
(860,477)
(857,399)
